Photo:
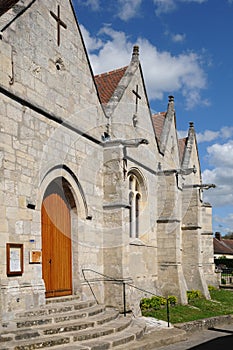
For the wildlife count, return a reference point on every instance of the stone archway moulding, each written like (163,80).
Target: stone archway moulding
(76,188)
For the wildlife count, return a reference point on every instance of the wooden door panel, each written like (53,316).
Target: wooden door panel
(46,253)
(56,243)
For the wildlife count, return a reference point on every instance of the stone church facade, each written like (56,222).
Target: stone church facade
(89,178)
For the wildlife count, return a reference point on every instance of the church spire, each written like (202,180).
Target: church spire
(135,54)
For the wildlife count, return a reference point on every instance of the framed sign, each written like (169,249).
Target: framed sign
(35,257)
(14,257)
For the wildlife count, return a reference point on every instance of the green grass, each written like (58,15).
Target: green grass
(221,303)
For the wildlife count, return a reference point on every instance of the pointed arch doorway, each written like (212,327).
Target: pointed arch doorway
(56,238)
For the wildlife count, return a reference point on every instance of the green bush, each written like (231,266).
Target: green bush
(145,304)
(193,294)
(172,300)
(211,288)
(223,281)
(156,302)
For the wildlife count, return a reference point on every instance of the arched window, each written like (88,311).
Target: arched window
(135,204)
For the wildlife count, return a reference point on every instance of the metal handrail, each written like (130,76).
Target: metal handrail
(124,283)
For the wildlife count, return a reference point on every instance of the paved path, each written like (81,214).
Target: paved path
(219,338)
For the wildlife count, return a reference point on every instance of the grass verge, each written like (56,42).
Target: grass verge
(221,303)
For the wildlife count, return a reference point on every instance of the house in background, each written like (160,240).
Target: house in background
(223,248)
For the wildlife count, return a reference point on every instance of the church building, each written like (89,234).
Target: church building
(96,192)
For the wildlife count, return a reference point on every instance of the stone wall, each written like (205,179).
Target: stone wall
(51,125)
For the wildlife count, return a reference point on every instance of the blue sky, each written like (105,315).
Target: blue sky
(186,51)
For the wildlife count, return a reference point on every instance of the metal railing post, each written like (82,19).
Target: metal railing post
(124,298)
(168,313)
(117,281)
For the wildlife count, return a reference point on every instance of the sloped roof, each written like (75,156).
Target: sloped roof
(107,83)
(158,121)
(182,144)
(5,5)
(229,243)
(223,246)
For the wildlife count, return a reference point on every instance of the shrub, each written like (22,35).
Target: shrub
(193,294)
(172,300)
(145,304)
(156,302)
(211,288)
(223,281)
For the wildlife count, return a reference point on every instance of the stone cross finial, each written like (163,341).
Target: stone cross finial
(135,54)
(170,98)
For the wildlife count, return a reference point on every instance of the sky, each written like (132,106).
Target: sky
(186,50)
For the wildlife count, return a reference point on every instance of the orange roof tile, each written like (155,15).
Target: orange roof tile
(107,83)
(182,143)
(158,121)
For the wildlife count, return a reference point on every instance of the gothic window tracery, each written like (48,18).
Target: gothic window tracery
(134,201)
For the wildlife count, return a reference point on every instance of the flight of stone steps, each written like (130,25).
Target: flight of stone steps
(67,323)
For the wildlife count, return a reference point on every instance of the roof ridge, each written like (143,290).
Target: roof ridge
(111,71)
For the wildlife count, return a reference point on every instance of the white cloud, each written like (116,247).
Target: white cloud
(227,131)
(198,1)
(177,38)
(223,194)
(182,134)
(91,43)
(167,73)
(224,224)
(94,4)
(207,136)
(115,51)
(128,9)
(220,156)
(163,72)
(224,133)
(166,6)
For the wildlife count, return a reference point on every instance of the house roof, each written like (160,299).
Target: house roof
(5,5)
(182,144)
(107,83)
(158,121)
(223,246)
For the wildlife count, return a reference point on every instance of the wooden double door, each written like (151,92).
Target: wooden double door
(56,245)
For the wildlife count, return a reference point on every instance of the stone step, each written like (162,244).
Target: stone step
(48,315)
(155,339)
(66,323)
(63,299)
(74,336)
(56,307)
(123,338)
(63,316)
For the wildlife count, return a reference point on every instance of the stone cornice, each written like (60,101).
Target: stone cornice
(111,206)
(167,220)
(190,227)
